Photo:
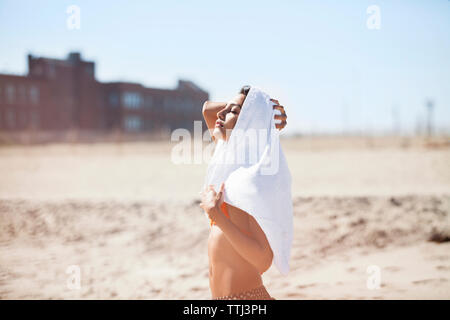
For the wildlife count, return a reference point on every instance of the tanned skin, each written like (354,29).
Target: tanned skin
(236,260)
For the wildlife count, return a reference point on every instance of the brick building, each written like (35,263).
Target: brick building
(64,94)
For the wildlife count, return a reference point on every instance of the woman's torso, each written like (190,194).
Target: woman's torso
(229,272)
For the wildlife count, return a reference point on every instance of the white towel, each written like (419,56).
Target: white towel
(256,174)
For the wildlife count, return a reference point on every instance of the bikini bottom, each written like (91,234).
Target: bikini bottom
(259,293)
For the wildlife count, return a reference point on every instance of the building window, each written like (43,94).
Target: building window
(51,70)
(148,101)
(168,103)
(10,93)
(22,93)
(181,106)
(34,95)
(178,104)
(133,123)
(189,105)
(113,99)
(132,100)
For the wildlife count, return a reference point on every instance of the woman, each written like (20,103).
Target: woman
(239,251)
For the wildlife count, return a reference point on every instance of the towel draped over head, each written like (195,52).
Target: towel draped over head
(256,175)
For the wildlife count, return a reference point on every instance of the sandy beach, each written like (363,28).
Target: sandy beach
(129,219)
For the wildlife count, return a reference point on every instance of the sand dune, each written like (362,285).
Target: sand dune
(158,251)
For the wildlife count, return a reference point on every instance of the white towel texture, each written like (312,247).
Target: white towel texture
(256,175)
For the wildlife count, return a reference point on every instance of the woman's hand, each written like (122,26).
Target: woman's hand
(281,116)
(211,201)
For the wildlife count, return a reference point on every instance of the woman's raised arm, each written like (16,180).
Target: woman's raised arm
(209,111)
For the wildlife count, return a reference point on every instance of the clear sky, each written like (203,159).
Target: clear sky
(318,57)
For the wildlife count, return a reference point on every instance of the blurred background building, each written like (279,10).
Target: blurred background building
(64,94)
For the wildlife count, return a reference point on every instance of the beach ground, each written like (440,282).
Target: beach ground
(371,221)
